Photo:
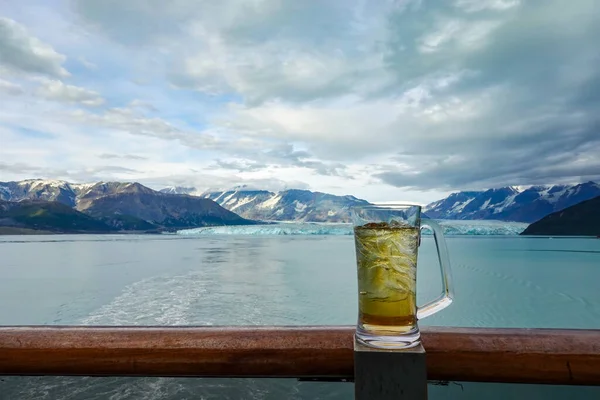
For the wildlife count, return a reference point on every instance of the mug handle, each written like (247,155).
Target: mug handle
(447,295)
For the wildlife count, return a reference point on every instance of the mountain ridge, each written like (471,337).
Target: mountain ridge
(50,216)
(581,219)
(121,206)
(297,205)
(509,203)
(512,203)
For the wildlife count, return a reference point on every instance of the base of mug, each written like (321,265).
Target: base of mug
(388,342)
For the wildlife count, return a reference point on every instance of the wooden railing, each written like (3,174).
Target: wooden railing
(547,356)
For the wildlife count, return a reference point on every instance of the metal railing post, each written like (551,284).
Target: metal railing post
(389,374)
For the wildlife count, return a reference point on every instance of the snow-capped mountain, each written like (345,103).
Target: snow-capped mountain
(117,205)
(512,203)
(41,189)
(71,194)
(287,205)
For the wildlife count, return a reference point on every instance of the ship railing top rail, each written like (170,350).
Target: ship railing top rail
(538,356)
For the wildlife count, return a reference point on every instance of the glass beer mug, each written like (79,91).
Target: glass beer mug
(387,238)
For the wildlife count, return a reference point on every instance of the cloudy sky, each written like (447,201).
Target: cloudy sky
(386,100)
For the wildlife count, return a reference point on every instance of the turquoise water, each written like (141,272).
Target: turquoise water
(256,280)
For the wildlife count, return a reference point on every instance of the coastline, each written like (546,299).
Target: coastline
(14,231)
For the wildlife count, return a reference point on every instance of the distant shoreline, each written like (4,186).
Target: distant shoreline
(9,230)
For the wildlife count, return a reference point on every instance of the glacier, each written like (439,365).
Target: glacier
(451,228)
(480,227)
(272,229)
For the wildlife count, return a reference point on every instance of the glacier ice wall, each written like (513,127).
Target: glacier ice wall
(451,228)
(480,227)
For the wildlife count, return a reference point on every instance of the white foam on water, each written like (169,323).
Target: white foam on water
(160,300)
(78,388)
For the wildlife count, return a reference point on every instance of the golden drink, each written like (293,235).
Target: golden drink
(387,239)
(386,258)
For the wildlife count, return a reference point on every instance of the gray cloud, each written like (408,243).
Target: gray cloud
(239,165)
(21,51)
(136,103)
(88,64)
(488,93)
(255,152)
(304,159)
(259,50)
(51,89)
(87,174)
(153,20)
(10,88)
(108,169)
(542,124)
(18,167)
(282,155)
(303,75)
(130,121)
(110,156)
(207,182)
(416,94)
(483,171)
